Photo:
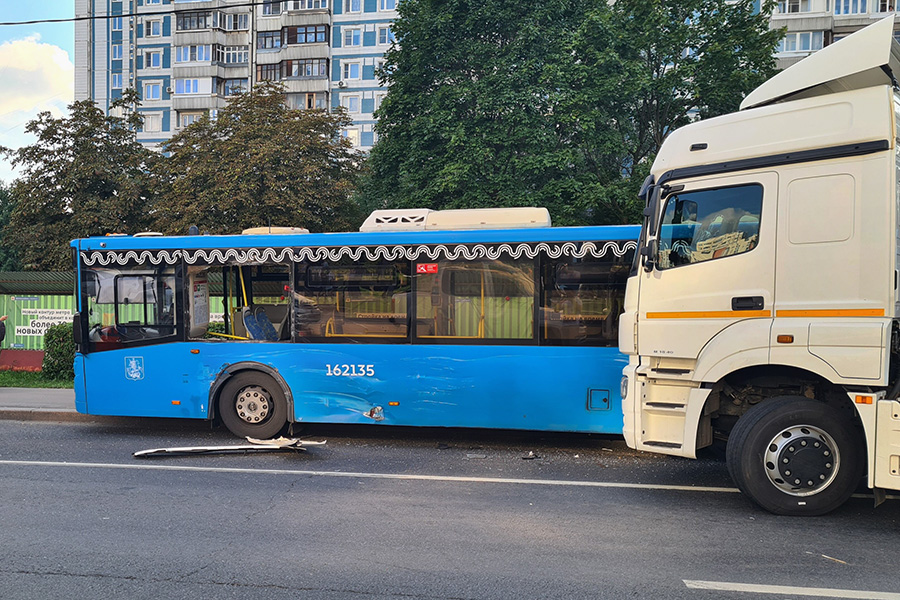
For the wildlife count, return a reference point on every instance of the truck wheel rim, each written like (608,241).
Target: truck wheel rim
(802,460)
(253,404)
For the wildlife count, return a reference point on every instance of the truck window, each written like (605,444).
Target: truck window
(703,225)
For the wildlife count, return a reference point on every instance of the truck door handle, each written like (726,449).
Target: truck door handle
(747,303)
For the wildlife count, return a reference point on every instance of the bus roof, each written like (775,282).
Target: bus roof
(542,234)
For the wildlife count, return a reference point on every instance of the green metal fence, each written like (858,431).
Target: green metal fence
(31,315)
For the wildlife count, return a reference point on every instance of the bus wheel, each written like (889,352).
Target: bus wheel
(795,456)
(252,404)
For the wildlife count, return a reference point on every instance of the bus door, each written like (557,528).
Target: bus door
(132,365)
(714,269)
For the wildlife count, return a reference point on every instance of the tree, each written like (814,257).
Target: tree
(562,103)
(469,119)
(8,258)
(260,163)
(85,175)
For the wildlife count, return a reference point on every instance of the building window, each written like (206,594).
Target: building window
(187,86)
(886,5)
(351,103)
(149,2)
(193,21)
(850,7)
(352,135)
(152,90)
(193,53)
(153,60)
(238,22)
(352,6)
(307,67)
(307,101)
(188,118)
(268,72)
(351,70)
(800,41)
(309,34)
(385,35)
(230,87)
(152,122)
(271,7)
(153,28)
(117,51)
(268,39)
(388,4)
(379,97)
(305,4)
(116,81)
(233,55)
(793,6)
(116,23)
(353,37)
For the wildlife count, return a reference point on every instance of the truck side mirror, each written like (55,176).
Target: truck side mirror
(648,255)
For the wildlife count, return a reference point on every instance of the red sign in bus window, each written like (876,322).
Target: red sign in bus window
(426,268)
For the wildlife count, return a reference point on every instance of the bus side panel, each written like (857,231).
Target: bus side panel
(507,387)
(165,380)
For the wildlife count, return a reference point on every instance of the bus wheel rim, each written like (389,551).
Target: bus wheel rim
(802,460)
(253,404)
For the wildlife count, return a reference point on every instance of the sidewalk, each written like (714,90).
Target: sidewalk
(39,404)
(58,406)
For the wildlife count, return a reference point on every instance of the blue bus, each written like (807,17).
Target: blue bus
(487,318)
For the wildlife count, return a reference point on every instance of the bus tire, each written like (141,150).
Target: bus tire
(795,456)
(252,404)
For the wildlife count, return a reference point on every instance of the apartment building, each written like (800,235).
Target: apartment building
(186,58)
(813,24)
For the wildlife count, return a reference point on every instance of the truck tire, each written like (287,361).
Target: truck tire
(796,456)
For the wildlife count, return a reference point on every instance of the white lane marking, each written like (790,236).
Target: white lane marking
(724,586)
(405,477)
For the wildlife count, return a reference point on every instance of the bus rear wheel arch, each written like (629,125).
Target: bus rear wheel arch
(252,404)
(795,456)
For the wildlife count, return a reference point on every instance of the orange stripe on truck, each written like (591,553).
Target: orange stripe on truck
(710,314)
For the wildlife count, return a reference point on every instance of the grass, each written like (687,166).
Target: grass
(30,380)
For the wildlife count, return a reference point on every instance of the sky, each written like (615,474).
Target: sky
(37,71)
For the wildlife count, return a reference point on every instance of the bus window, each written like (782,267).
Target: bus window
(352,301)
(485,300)
(583,299)
(129,305)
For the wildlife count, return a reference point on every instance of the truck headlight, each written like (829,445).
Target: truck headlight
(624,390)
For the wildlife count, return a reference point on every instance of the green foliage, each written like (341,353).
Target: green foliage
(560,104)
(85,175)
(59,352)
(8,257)
(260,163)
(22,379)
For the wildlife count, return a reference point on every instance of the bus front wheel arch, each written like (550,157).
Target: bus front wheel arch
(795,456)
(252,404)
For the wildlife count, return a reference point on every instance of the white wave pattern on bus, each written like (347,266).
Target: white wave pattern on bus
(371,253)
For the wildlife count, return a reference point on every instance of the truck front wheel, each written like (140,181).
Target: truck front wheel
(795,456)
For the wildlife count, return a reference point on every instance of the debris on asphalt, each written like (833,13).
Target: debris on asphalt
(281,444)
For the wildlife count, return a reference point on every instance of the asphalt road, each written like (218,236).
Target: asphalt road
(433,514)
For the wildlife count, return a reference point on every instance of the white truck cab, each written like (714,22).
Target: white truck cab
(763,308)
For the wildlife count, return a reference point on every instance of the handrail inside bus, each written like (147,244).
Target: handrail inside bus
(227,335)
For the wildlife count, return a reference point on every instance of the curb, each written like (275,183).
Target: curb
(50,415)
